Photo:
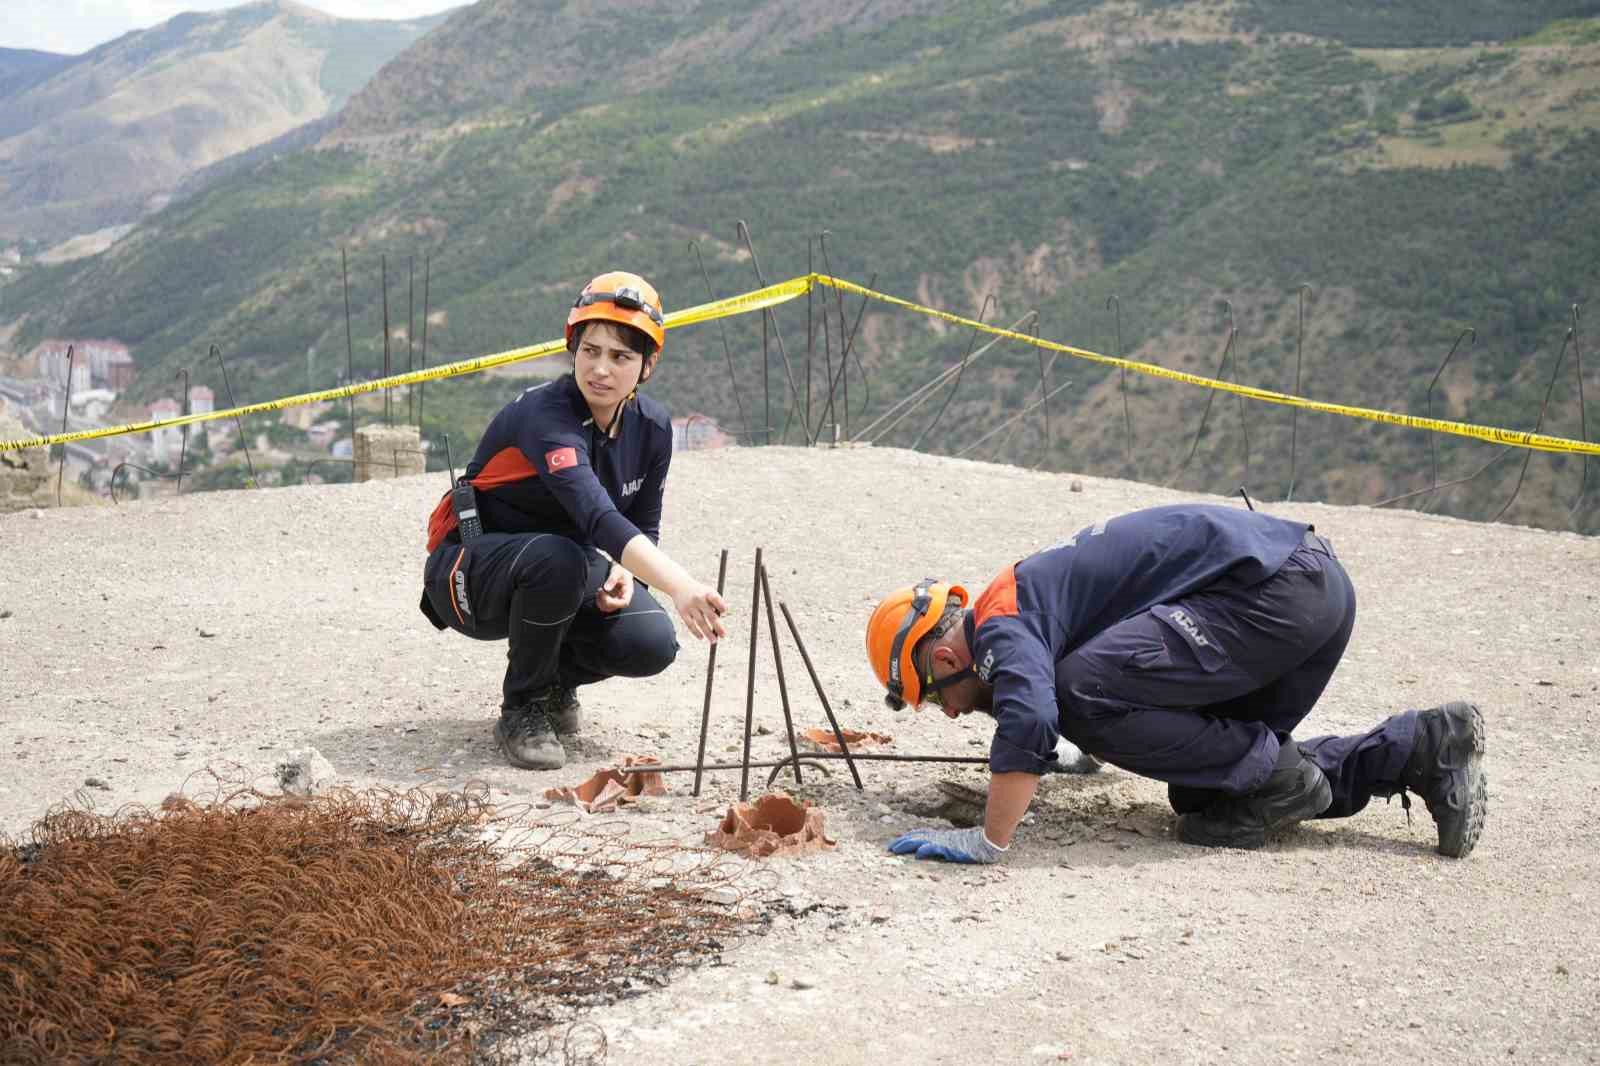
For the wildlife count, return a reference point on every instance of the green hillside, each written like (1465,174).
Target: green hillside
(1053,155)
(93,141)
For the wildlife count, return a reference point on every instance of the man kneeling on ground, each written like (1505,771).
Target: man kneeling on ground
(1185,644)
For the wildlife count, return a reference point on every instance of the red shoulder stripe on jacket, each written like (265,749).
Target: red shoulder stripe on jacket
(1000,598)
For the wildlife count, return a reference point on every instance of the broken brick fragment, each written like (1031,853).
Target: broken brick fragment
(611,788)
(826,741)
(773,825)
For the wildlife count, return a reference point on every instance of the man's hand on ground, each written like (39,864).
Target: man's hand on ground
(952,845)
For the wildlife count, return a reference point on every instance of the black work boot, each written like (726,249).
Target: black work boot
(1446,770)
(527,734)
(1294,791)
(568,714)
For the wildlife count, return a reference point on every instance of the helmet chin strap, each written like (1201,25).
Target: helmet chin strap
(617,414)
(931,685)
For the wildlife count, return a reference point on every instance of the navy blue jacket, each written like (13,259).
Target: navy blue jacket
(543,466)
(1038,611)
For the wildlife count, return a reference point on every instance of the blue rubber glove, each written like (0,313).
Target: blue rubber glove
(951,845)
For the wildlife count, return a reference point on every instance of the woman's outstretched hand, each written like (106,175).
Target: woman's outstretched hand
(701,610)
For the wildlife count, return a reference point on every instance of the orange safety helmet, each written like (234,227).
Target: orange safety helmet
(904,617)
(618,296)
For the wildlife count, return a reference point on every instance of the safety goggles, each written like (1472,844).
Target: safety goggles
(627,297)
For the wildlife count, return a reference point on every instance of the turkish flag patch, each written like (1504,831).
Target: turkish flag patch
(561,458)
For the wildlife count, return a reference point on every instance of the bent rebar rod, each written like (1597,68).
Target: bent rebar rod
(961,368)
(1020,414)
(1211,395)
(921,393)
(795,403)
(237,424)
(66,406)
(1294,417)
(733,379)
(1471,336)
(1538,425)
(1127,419)
(844,361)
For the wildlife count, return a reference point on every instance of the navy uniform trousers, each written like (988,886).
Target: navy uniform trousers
(1206,705)
(537,592)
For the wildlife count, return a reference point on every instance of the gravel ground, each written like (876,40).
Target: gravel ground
(144,642)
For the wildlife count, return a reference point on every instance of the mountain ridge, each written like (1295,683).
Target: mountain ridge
(153,106)
(1171,155)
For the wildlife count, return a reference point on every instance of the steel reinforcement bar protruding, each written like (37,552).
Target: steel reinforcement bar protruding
(838,734)
(711,673)
(750,680)
(777,664)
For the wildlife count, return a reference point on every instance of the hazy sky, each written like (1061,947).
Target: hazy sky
(74,26)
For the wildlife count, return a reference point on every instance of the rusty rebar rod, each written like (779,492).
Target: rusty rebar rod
(388,394)
(1211,395)
(750,680)
(422,387)
(1583,415)
(961,369)
(1537,425)
(183,448)
(1010,421)
(919,395)
(844,361)
(816,682)
(112,487)
(1115,304)
(847,345)
(1458,481)
(411,331)
(349,343)
(743,230)
(1470,335)
(711,673)
(1294,412)
(66,405)
(777,767)
(237,424)
(777,662)
(722,331)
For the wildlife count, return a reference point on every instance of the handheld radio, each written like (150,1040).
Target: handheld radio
(464,501)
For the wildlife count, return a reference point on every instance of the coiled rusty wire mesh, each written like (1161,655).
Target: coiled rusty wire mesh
(370,926)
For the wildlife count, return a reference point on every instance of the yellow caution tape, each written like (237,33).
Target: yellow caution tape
(758,300)
(1494,435)
(784,291)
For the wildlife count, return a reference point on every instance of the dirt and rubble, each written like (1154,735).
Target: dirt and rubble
(142,643)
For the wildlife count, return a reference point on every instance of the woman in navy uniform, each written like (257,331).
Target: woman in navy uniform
(569,479)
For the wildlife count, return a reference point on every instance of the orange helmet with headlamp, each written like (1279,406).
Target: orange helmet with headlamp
(904,617)
(618,296)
